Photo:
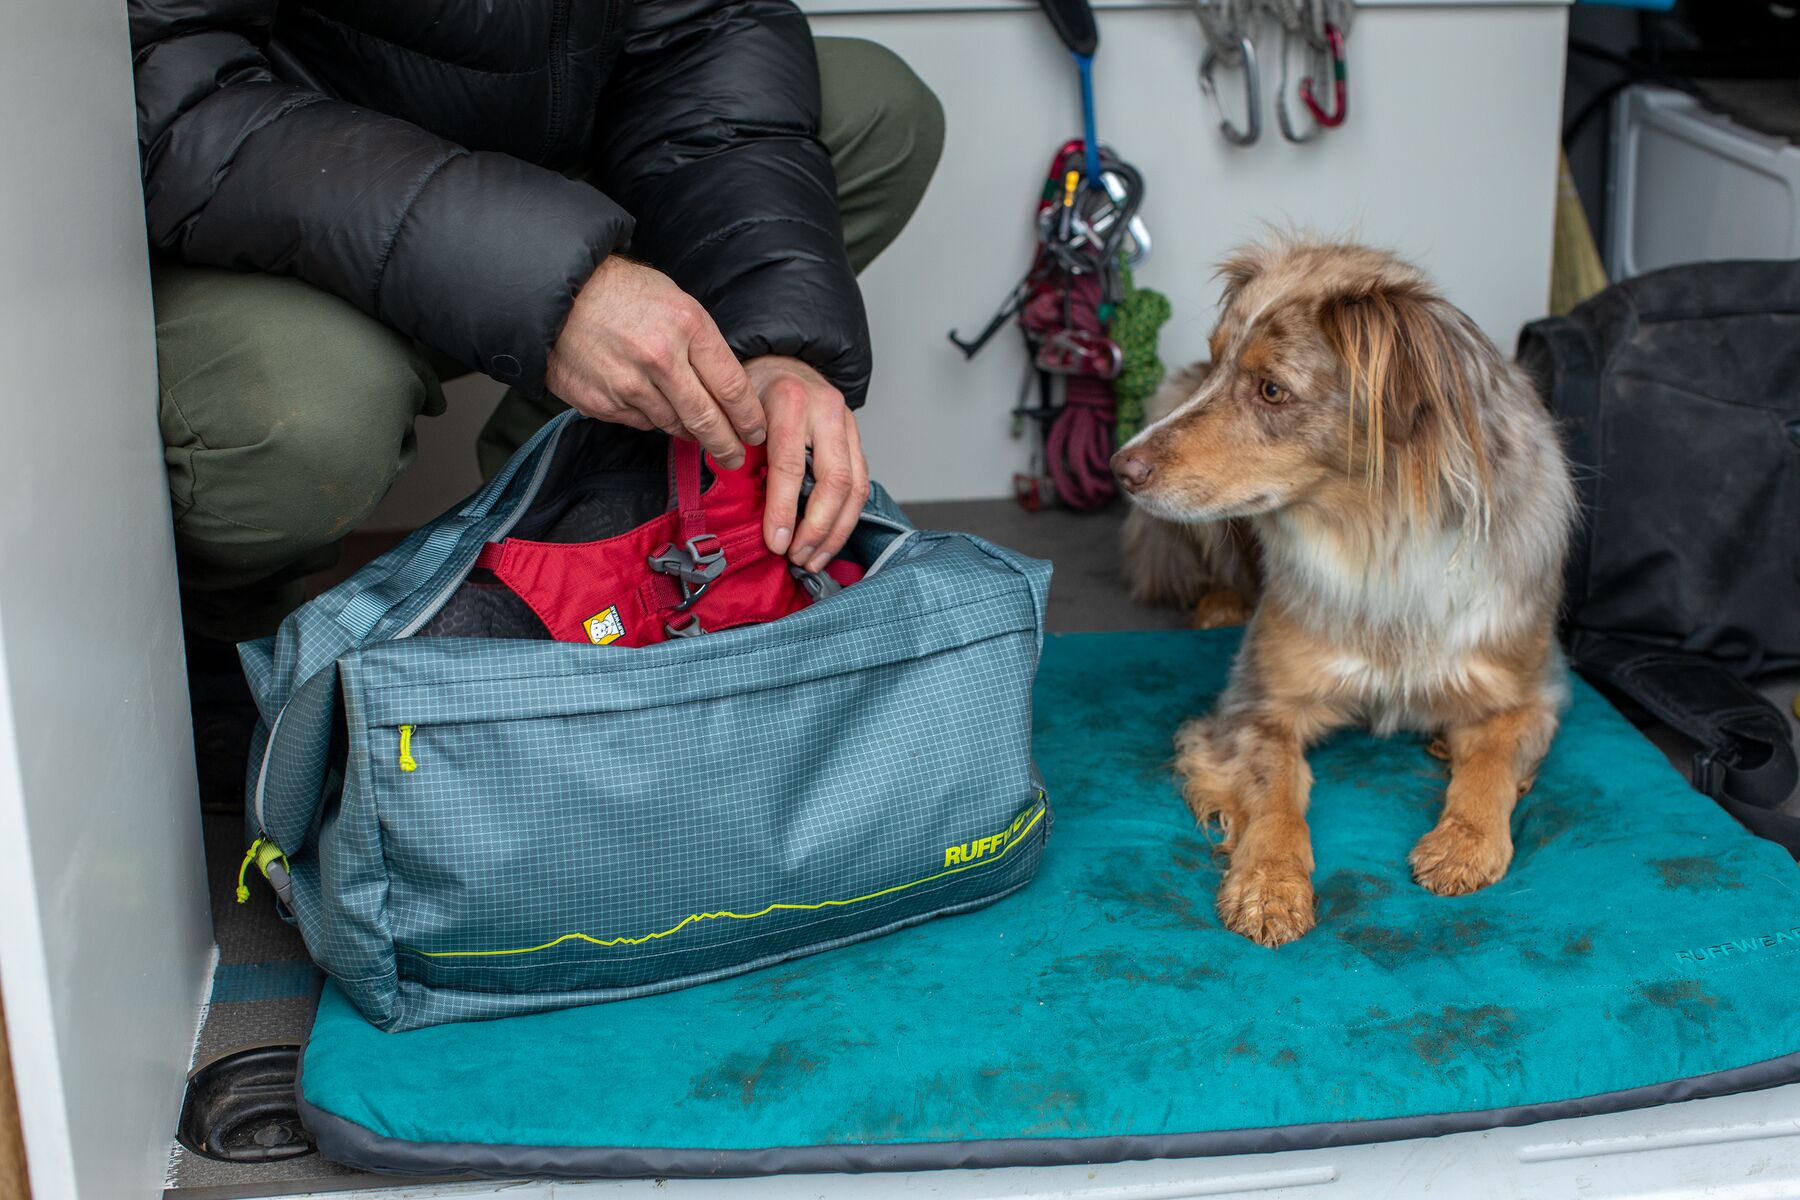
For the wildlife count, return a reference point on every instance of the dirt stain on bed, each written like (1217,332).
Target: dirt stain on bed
(752,1077)
(1688,997)
(1391,948)
(1696,871)
(1165,970)
(1194,853)
(766,987)
(1168,900)
(1437,1038)
(1549,812)
(1342,894)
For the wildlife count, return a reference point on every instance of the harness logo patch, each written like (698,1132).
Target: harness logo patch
(604,627)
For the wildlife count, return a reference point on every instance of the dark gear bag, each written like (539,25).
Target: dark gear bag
(1678,394)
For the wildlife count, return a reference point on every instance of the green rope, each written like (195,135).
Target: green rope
(1135,326)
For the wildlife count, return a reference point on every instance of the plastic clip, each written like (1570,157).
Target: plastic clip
(695,566)
(818,584)
(687,629)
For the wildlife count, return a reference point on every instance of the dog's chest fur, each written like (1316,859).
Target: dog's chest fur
(1406,633)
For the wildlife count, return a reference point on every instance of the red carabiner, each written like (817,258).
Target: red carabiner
(1334,38)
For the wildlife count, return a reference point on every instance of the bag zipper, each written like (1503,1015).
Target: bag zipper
(407,761)
(264,853)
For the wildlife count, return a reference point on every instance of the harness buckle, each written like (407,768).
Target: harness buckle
(817,584)
(687,628)
(694,566)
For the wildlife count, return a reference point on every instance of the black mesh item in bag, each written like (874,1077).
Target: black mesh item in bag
(1678,394)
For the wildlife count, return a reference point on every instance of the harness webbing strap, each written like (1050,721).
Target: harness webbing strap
(684,469)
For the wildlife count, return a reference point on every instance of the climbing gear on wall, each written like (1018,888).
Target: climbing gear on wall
(1293,17)
(1324,27)
(1333,117)
(1089,235)
(1227,28)
(1065,306)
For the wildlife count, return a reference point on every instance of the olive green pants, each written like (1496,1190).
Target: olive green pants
(287,413)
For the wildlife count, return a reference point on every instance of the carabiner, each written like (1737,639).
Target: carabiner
(1334,38)
(1282,118)
(1252,93)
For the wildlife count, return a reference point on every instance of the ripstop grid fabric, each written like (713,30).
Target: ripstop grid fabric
(574,823)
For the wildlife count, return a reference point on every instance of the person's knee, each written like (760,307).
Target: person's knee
(311,450)
(885,131)
(892,115)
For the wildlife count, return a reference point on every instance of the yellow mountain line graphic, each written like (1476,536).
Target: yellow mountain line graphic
(779,906)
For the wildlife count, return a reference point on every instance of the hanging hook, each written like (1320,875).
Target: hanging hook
(1252,93)
(1282,117)
(1334,38)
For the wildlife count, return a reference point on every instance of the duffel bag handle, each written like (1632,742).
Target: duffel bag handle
(365,610)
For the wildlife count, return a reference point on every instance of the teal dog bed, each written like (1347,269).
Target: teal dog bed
(1633,956)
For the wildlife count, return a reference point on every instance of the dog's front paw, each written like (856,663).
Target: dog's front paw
(1221,608)
(1270,903)
(1456,858)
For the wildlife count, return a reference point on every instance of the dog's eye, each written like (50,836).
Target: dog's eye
(1272,392)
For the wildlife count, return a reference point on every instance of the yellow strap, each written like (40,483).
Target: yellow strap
(243,889)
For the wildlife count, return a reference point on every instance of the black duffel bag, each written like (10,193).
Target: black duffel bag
(1678,393)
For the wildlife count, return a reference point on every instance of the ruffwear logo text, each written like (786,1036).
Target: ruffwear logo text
(1762,941)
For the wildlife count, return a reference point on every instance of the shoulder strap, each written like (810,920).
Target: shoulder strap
(1746,758)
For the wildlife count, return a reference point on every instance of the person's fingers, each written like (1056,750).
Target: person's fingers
(831,486)
(787,471)
(633,418)
(851,513)
(701,417)
(654,409)
(725,380)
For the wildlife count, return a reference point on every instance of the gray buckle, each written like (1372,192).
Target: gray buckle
(687,629)
(695,566)
(818,584)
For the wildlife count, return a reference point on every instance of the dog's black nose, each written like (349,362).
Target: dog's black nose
(1133,470)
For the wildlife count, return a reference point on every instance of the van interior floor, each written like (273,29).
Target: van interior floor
(265,989)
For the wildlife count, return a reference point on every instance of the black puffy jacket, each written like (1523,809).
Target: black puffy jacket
(406,156)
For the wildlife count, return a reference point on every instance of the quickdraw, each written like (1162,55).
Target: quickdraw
(1088,236)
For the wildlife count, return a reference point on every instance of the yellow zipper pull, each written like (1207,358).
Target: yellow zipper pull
(243,889)
(407,761)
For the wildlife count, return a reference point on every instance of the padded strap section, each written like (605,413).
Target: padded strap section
(1746,761)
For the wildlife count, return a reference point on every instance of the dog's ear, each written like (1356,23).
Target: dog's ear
(1408,374)
(1235,272)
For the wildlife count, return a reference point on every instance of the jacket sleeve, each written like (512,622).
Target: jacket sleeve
(477,255)
(710,137)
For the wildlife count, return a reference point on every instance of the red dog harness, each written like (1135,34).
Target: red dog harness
(700,568)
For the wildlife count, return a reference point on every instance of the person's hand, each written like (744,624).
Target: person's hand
(638,351)
(805,412)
